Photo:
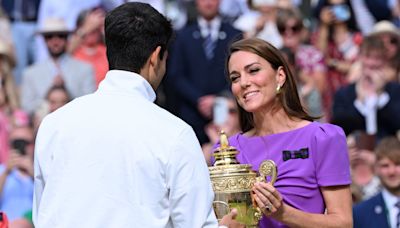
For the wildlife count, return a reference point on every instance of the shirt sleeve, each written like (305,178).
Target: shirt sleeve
(331,157)
(188,179)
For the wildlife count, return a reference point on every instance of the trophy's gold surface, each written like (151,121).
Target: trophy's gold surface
(232,183)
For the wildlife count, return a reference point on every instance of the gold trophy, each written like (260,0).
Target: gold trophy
(232,183)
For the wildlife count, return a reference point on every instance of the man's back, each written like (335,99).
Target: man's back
(117,160)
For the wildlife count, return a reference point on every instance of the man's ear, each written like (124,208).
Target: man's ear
(155,57)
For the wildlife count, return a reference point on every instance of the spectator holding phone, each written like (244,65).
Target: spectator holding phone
(16,175)
(338,38)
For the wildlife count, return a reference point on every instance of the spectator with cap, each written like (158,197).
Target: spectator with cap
(60,68)
(383,210)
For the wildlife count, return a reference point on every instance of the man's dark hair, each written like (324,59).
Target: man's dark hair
(132,32)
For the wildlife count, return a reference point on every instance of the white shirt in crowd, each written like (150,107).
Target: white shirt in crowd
(115,159)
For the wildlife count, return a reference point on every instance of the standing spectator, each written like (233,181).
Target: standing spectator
(23,15)
(383,209)
(371,104)
(59,69)
(152,173)
(338,38)
(196,66)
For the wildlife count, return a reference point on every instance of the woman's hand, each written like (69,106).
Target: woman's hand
(268,199)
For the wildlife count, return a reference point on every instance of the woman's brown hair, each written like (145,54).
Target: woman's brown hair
(288,96)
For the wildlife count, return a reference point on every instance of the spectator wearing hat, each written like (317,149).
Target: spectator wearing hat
(59,69)
(390,36)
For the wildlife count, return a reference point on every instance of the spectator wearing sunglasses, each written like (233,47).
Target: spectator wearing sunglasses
(307,61)
(59,69)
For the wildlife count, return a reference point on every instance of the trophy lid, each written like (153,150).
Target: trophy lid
(225,161)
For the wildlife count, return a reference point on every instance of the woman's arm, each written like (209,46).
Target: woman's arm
(337,200)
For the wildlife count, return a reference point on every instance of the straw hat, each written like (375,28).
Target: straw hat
(385,27)
(54,25)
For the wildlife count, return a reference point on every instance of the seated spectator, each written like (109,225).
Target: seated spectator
(382,210)
(362,161)
(16,175)
(370,104)
(60,68)
(87,42)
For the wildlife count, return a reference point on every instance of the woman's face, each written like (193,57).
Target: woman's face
(254,81)
(291,33)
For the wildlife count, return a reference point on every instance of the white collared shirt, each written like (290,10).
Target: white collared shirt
(205,27)
(390,201)
(115,159)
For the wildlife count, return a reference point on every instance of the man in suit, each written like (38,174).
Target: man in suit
(60,68)
(196,66)
(383,210)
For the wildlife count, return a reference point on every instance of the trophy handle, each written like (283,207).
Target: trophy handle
(268,168)
(222,205)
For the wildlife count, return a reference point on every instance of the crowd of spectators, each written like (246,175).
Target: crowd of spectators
(345,56)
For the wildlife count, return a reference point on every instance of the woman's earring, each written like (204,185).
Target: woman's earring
(278,89)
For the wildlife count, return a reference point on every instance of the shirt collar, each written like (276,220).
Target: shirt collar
(389,198)
(126,82)
(214,24)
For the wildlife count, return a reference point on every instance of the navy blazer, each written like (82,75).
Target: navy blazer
(350,119)
(191,75)
(371,213)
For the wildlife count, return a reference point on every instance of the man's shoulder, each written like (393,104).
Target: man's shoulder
(36,67)
(371,203)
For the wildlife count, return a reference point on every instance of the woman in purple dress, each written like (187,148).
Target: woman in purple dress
(313,184)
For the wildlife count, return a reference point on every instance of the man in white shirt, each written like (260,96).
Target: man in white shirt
(115,159)
(383,210)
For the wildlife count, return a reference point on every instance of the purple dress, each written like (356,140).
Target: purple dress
(307,158)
